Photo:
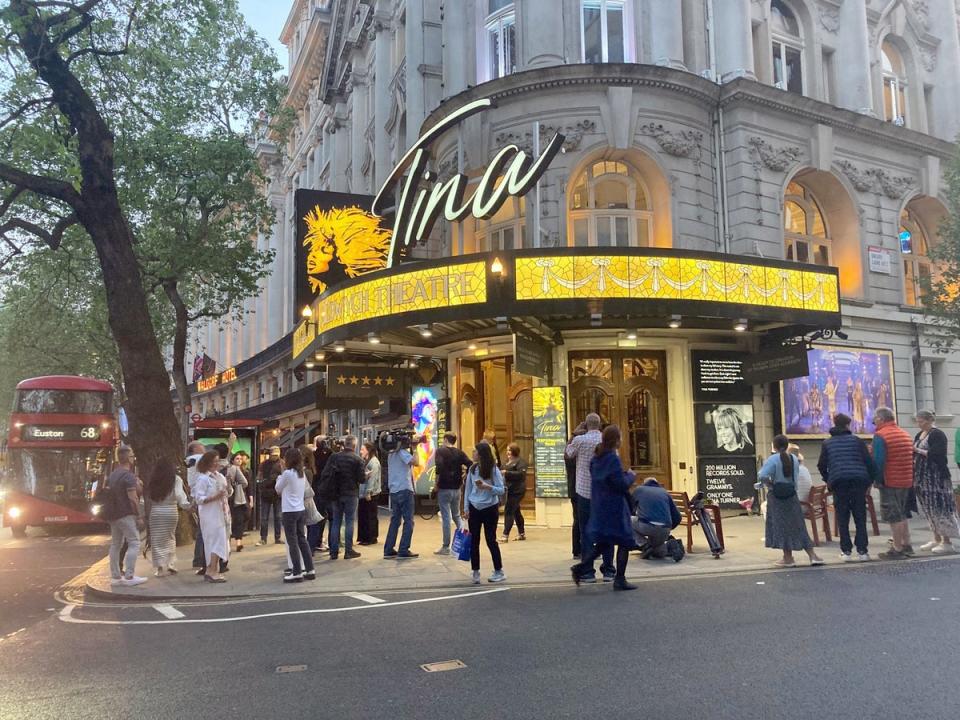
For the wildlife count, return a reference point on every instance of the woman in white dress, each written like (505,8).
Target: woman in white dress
(210,493)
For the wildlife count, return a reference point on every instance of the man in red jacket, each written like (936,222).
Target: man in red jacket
(893,454)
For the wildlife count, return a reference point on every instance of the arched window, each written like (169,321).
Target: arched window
(787,40)
(610,207)
(605,31)
(894,85)
(915,250)
(805,234)
(501,38)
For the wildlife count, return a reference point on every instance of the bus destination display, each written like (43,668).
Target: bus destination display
(60,433)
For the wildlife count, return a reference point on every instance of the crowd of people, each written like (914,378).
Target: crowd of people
(325,499)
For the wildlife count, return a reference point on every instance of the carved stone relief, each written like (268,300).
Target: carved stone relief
(929,59)
(680,143)
(572,136)
(830,19)
(876,180)
(772,158)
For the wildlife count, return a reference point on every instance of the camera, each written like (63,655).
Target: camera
(390,440)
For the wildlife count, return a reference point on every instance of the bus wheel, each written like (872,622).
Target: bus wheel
(19,531)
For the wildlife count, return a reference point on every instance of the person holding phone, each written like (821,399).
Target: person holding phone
(481,509)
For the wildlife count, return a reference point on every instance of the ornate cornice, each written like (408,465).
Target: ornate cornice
(572,135)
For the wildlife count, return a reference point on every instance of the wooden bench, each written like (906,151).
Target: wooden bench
(682,501)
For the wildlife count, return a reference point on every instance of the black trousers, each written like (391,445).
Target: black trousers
(575,535)
(238,520)
(488,518)
(623,555)
(296,533)
(512,513)
(368,521)
(847,503)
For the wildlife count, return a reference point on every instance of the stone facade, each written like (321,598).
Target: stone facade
(692,99)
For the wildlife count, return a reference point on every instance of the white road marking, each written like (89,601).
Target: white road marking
(168,611)
(366,598)
(66,615)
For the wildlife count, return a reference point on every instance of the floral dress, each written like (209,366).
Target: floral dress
(931,478)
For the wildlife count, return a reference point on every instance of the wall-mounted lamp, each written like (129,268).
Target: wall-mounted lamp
(307,312)
(496,267)
(740,325)
(675,321)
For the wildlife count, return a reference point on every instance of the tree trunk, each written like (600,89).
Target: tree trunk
(178,371)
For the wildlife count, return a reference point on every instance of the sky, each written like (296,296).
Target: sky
(267,18)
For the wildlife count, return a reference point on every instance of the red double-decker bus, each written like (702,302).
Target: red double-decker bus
(59,451)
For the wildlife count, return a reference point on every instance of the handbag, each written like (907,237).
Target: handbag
(462,544)
(784,490)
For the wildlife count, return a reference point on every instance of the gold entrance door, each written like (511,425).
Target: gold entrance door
(628,389)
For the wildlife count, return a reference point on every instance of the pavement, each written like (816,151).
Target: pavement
(544,558)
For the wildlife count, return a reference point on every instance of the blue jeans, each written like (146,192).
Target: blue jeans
(401,508)
(344,507)
(449,512)
(606,567)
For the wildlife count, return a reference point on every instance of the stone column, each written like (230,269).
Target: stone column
(541,23)
(854,86)
(456,57)
(381,104)
(945,122)
(733,35)
(666,33)
(415,80)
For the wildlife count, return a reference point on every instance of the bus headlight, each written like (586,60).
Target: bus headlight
(95,509)
(13,512)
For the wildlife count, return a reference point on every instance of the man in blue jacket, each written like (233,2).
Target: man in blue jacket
(847,468)
(654,516)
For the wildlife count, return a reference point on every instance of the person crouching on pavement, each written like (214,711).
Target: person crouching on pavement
(291,486)
(609,523)
(654,516)
(481,509)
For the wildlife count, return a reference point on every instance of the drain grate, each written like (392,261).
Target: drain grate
(443,666)
(290,668)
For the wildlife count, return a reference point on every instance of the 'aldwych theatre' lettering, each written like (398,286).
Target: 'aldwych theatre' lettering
(419,207)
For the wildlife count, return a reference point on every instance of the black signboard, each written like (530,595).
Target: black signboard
(337,238)
(443,418)
(364,381)
(727,481)
(718,376)
(60,433)
(550,440)
(531,357)
(776,364)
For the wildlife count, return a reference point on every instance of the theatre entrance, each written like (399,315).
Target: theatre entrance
(629,389)
(493,398)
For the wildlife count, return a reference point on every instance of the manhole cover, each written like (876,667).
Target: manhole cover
(443,666)
(290,668)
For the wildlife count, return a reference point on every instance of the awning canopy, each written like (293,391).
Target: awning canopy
(570,288)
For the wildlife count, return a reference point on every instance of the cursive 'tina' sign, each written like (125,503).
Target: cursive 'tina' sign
(419,207)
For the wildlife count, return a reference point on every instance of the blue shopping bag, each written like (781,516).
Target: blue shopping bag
(462,542)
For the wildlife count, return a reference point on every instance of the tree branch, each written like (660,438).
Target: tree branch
(52,238)
(20,111)
(48,187)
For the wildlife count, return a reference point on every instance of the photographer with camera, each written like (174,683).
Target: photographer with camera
(400,464)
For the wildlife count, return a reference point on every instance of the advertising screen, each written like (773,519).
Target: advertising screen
(854,381)
(424,410)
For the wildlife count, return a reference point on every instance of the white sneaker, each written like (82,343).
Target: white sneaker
(930,545)
(943,549)
(476,577)
(863,557)
(135,580)
(442,551)
(116,581)
(497,577)
(846,557)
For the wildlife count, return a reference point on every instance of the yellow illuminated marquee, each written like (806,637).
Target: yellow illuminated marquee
(674,278)
(428,289)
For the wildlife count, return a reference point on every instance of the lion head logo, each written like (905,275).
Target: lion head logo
(343,243)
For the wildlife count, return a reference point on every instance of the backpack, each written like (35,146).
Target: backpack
(675,549)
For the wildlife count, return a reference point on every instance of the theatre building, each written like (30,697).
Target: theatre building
(707,222)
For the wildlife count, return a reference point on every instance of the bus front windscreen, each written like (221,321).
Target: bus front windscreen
(75,402)
(62,476)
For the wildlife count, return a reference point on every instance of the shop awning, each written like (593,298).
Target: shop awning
(570,288)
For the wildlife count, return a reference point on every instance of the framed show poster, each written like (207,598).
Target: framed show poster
(550,440)
(851,380)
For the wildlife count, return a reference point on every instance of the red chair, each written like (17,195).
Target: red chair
(815,510)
